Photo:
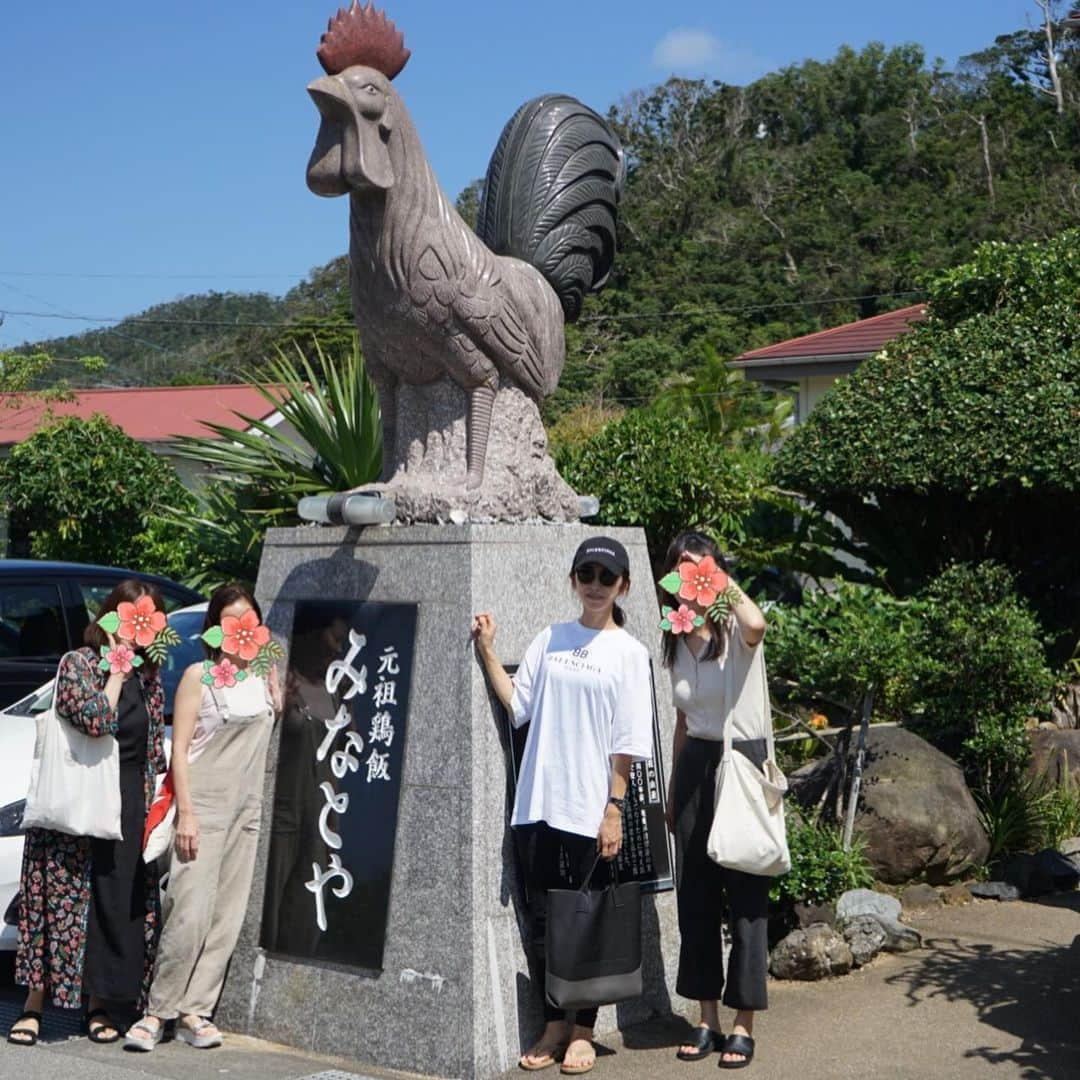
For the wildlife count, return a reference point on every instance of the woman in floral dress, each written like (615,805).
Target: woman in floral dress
(89,910)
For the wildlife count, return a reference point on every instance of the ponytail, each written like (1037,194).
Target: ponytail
(618,615)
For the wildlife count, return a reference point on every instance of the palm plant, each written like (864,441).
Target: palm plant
(330,439)
(338,433)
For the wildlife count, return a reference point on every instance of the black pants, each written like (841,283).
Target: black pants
(540,851)
(704,888)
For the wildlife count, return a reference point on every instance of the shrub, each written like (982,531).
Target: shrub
(834,644)
(84,491)
(821,870)
(979,670)
(662,474)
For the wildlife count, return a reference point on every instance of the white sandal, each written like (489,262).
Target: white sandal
(191,1034)
(147,1042)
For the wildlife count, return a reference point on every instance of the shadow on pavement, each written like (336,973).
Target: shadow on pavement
(1030,993)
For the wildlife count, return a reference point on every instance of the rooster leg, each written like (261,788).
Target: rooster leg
(481,403)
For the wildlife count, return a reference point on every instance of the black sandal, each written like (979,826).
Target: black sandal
(705,1041)
(737,1044)
(94,1034)
(30,1037)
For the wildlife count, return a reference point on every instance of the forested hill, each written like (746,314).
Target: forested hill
(821,192)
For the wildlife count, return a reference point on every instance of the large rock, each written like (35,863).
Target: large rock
(813,953)
(915,812)
(920,897)
(1053,754)
(994,890)
(865,936)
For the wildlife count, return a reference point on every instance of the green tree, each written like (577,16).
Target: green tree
(83,490)
(959,441)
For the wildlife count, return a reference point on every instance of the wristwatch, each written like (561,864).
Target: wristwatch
(618,803)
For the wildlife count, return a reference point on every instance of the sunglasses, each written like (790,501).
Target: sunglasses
(588,573)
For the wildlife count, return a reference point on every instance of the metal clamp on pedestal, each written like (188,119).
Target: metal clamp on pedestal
(347,508)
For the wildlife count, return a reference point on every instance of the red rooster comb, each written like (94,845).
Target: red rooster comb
(364,36)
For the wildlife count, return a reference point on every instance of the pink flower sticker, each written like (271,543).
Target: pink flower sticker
(702,581)
(140,622)
(243,637)
(120,658)
(224,673)
(682,620)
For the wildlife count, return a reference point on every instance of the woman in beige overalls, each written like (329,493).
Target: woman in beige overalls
(220,737)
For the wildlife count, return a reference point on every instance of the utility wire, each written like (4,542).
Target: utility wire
(328,324)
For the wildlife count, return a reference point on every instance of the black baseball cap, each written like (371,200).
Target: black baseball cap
(603,551)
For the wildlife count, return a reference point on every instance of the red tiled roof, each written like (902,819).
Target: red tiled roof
(153,414)
(862,338)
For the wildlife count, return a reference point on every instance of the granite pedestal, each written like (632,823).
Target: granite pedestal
(453,998)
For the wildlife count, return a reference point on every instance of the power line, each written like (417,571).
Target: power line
(138,275)
(676,313)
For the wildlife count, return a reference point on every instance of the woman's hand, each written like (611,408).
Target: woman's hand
(609,839)
(483,631)
(273,684)
(187,837)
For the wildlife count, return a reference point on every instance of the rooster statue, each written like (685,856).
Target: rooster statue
(462,331)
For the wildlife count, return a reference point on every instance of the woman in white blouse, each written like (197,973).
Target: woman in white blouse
(583,688)
(717,677)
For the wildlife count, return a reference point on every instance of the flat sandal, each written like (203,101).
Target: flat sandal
(26,1036)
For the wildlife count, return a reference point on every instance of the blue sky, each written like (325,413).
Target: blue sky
(157,149)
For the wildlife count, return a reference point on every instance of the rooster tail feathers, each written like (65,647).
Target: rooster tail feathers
(550,195)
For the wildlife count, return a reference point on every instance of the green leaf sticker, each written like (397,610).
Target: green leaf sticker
(136,661)
(241,675)
(665,624)
(109,622)
(214,637)
(103,665)
(699,620)
(670,582)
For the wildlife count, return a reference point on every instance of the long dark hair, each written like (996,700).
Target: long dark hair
(221,599)
(693,543)
(617,612)
(129,590)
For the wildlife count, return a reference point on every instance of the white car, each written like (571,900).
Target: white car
(18,730)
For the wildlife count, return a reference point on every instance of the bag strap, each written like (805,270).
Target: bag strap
(584,887)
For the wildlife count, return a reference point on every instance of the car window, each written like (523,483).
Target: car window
(32,622)
(94,594)
(32,704)
(189,625)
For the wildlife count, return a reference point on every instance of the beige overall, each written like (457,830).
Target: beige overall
(206,899)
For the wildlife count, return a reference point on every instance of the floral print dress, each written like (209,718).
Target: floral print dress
(54,900)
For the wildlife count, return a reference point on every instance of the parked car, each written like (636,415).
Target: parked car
(18,729)
(44,608)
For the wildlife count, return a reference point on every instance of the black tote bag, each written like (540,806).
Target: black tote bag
(593,947)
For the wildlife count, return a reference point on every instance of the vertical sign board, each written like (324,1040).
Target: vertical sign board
(338,782)
(646,854)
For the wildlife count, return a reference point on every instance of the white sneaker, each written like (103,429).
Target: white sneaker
(202,1034)
(144,1036)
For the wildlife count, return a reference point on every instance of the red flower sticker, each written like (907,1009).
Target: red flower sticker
(140,622)
(702,581)
(243,636)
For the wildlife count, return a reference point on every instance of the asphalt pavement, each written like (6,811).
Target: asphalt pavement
(995,994)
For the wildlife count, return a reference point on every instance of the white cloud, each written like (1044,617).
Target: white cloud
(689,51)
(686,48)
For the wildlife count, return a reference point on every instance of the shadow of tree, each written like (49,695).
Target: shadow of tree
(1030,993)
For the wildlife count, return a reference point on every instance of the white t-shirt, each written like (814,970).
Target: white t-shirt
(730,685)
(586,694)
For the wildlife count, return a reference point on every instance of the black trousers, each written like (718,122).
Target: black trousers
(705,889)
(541,853)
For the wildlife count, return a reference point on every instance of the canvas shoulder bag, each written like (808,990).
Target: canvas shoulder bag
(749,832)
(74,781)
(593,946)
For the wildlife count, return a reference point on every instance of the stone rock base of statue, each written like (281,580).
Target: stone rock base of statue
(427,469)
(435,905)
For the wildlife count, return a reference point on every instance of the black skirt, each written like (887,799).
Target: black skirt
(116,930)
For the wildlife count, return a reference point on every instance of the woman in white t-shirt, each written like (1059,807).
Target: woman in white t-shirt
(717,677)
(584,689)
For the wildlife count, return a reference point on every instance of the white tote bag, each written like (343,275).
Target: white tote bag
(74,781)
(748,831)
